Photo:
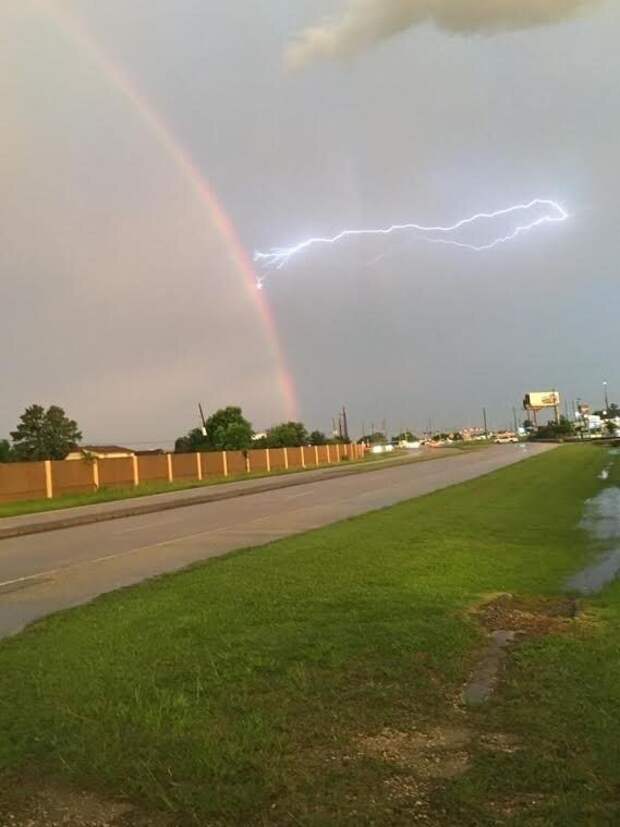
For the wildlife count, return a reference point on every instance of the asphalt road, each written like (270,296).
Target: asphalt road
(42,573)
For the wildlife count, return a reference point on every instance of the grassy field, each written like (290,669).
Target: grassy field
(316,680)
(114,493)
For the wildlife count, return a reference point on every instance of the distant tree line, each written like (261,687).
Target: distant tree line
(228,430)
(49,434)
(565,428)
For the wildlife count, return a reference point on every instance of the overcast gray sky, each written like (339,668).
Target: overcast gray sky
(122,302)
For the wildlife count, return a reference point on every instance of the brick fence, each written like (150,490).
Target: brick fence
(48,479)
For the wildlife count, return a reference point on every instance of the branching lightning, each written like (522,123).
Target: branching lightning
(279,257)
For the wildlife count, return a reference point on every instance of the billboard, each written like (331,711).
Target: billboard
(541,399)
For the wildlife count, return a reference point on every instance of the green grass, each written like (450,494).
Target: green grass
(127,492)
(236,692)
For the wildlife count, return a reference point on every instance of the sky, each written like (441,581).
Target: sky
(131,130)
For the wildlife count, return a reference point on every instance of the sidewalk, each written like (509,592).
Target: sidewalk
(100,512)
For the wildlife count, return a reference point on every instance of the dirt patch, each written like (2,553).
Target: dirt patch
(507,619)
(28,803)
(407,791)
(501,742)
(509,808)
(531,616)
(437,753)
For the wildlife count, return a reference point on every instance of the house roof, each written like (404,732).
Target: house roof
(106,449)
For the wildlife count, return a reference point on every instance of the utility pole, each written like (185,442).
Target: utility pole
(514,417)
(345,424)
(606,397)
(484,416)
(204,421)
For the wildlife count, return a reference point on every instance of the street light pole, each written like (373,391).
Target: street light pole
(606,398)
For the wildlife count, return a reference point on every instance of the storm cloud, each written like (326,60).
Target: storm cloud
(366,22)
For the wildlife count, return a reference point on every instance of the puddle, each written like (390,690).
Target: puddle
(601,520)
(592,579)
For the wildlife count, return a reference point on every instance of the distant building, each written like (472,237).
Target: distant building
(472,433)
(101,452)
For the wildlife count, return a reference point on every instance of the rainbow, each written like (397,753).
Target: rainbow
(76,32)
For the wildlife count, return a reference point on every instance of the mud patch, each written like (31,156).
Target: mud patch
(26,803)
(508,619)
(528,616)
(485,677)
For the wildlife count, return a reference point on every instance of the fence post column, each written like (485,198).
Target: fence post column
(316,454)
(169,458)
(225,463)
(136,472)
(49,486)
(329,454)
(96,474)
(285,458)
(198,466)
(248,461)
(267,459)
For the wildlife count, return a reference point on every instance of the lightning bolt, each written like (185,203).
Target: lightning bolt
(279,257)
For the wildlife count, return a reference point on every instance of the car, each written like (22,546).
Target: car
(504,439)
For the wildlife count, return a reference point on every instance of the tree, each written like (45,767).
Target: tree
(45,434)
(611,413)
(317,438)
(377,437)
(611,427)
(6,452)
(287,435)
(406,436)
(554,430)
(227,430)
(194,442)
